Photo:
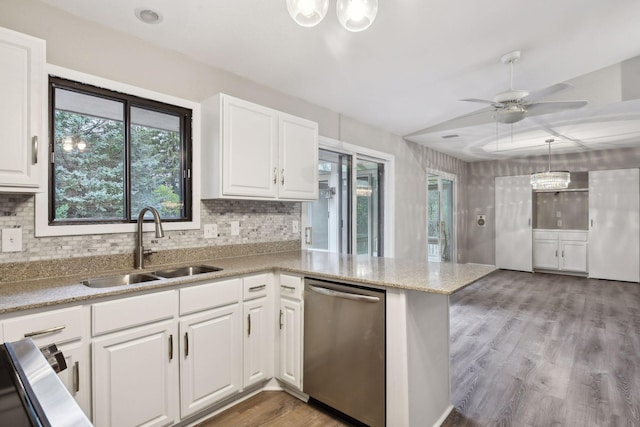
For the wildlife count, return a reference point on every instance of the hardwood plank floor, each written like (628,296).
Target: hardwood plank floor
(545,350)
(530,350)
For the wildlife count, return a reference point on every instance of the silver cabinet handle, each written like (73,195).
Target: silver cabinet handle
(562,254)
(282,177)
(186,344)
(529,221)
(591,223)
(44,331)
(345,295)
(34,147)
(257,288)
(76,377)
(556,253)
(280,321)
(275,175)
(249,325)
(290,288)
(171,347)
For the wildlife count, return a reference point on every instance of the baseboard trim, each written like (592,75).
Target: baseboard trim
(444,416)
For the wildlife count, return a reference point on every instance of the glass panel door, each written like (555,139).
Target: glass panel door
(329,215)
(369,207)
(440,220)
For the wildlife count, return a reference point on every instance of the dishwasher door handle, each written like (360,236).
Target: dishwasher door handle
(345,295)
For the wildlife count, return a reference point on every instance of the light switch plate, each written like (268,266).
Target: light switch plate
(235,228)
(210,231)
(12,240)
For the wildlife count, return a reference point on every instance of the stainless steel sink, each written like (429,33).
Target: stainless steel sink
(191,270)
(121,280)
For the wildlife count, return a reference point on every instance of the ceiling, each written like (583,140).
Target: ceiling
(409,70)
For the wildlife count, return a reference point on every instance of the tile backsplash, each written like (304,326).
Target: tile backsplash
(259,222)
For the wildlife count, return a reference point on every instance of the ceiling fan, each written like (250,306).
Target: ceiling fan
(510,106)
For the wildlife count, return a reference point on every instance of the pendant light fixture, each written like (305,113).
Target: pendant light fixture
(354,15)
(550,180)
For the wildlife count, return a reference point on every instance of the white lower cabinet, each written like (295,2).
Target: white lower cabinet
(136,377)
(290,324)
(258,329)
(560,250)
(68,328)
(210,363)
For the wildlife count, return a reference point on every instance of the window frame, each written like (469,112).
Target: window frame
(43,200)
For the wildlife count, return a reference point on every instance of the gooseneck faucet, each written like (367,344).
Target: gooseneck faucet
(140,252)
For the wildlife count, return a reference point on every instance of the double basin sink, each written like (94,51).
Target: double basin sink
(132,278)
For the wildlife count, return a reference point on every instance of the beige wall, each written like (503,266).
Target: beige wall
(91,48)
(480,190)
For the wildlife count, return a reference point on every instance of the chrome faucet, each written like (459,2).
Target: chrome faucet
(140,251)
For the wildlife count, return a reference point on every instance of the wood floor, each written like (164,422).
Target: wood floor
(526,350)
(545,350)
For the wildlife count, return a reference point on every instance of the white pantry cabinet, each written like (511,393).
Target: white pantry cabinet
(68,328)
(255,152)
(291,330)
(513,229)
(564,250)
(23,141)
(135,362)
(614,221)
(258,346)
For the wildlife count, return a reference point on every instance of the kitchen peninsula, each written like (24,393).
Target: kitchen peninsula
(417,312)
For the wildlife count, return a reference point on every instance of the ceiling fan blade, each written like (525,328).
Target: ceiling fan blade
(478,117)
(483,101)
(541,93)
(540,108)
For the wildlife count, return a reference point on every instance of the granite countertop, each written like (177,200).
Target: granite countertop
(441,278)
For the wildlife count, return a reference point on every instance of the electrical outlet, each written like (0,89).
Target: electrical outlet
(235,228)
(210,231)
(12,240)
(559,222)
(558,214)
(294,227)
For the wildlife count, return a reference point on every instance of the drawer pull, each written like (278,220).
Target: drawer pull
(289,288)
(257,288)
(249,327)
(44,331)
(280,321)
(171,347)
(76,377)
(186,344)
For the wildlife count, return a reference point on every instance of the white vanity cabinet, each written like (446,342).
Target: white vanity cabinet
(68,328)
(23,141)
(135,361)
(562,250)
(257,331)
(255,152)
(211,343)
(291,330)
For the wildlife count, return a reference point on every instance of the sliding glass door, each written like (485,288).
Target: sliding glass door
(369,207)
(440,218)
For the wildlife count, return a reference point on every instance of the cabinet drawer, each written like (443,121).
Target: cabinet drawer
(545,235)
(52,327)
(573,236)
(133,311)
(256,286)
(291,286)
(211,295)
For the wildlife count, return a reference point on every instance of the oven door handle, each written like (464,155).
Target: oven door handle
(345,295)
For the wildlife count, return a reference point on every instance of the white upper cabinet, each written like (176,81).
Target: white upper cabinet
(614,224)
(514,239)
(22,112)
(254,152)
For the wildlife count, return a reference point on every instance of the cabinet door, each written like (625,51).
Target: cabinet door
(135,377)
(76,378)
(249,149)
(545,254)
(298,158)
(514,242)
(614,233)
(291,342)
(573,256)
(211,355)
(258,341)
(22,84)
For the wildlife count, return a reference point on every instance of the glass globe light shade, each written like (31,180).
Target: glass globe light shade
(307,13)
(67,143)
(81,145)
(356,15)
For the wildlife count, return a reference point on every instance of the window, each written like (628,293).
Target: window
(113,154)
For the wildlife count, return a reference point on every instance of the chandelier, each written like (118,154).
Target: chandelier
(354,15)
(550,180)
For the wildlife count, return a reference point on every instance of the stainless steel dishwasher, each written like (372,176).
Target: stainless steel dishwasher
(344,349)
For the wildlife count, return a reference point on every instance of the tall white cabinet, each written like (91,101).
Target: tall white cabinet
(614,224)
(22,111)
(513,232)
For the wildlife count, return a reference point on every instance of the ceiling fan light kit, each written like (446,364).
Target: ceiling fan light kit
(354,15)
(550,180)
